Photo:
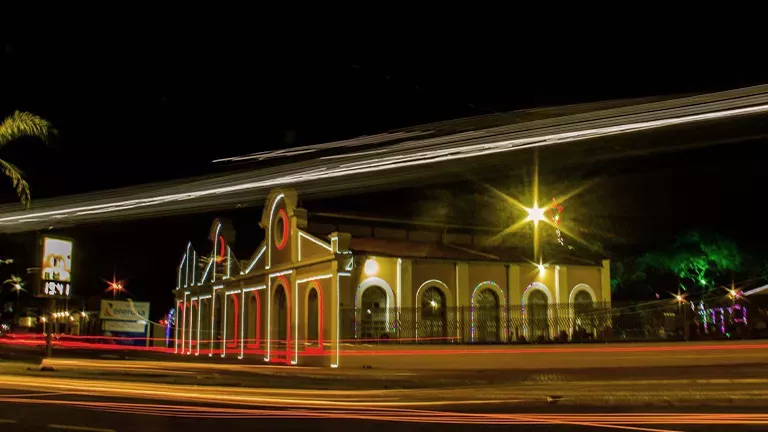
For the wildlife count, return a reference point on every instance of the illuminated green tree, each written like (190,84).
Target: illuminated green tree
(694,257)
(17,125)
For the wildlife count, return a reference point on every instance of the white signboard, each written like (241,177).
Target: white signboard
(125,326)
(56,267)
(121,310)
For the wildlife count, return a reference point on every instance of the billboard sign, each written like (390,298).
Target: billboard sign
(125,326)
(120,310)
(56,274)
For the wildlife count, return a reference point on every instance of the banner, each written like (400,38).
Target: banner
(121,310)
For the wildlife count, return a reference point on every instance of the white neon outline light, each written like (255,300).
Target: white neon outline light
(213,310)
(399,283)
(296,303)
(269,233)
(184,322)
(296,320)
(199,316)
(186,263)
(213,254)
(456,266)
(318,277)
(335,244)
(258,255)
(224,341)
(533,286)
(430,282)
(314,240)
(207,269)
(269,310)
(176,339)
(493,286)
(338,317)
(194,265)
(557,284)
(379,282)
(205,296)
(229,263)
(181,265)
(256,288)
(572,297)
(191,322)
(224,321)
(242,323)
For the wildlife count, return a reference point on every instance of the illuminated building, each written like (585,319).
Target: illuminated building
(310,289)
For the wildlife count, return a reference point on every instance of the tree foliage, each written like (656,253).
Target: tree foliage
(694,257)
(17,125)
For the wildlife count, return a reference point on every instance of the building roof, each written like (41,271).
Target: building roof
(427,250)
(413,249)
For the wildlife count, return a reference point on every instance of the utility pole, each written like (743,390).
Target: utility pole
(50,326)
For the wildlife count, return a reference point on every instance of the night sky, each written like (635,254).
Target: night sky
(131,111)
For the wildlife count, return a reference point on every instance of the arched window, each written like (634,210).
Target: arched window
(433,322)
(252,317)
(313,331)
(537,312)
(373,313)
(583,310)
(280,326)
(487,322)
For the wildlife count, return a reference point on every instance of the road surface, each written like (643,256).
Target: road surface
(52,411)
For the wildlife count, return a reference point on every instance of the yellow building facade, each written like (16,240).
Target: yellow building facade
(310,290)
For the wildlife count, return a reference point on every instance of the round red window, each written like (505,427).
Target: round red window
(281,229)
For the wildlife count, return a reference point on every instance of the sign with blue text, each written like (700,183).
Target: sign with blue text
(124,310)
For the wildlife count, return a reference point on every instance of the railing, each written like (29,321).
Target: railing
(534,323)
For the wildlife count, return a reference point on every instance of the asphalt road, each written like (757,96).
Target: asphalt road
(139,394)
(33,411)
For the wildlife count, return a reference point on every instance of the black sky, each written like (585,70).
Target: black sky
(132,111)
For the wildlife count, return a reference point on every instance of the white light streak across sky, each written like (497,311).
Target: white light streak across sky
(413,149)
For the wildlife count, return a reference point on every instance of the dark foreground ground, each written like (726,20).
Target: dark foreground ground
(115,391)
(30,411)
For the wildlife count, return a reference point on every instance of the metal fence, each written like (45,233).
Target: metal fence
(539,323)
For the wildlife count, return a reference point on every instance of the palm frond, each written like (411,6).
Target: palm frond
(21,186)
(21,124)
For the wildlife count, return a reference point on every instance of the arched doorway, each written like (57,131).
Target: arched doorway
(583,319)
(233,321)
(252,319)
(193,325)
(204,335)
(218,319)
(280,324)
(537,311)
(313,321)
(487,322)
(373,313)
(433,322)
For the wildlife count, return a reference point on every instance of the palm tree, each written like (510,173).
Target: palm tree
(17,125)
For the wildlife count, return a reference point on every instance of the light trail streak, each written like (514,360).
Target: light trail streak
(631,421)
(410,154)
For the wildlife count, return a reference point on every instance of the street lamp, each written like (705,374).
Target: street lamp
(535,214)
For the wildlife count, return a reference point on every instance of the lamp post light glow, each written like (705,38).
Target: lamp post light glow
(535,214)
(371,267)
(541,268)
